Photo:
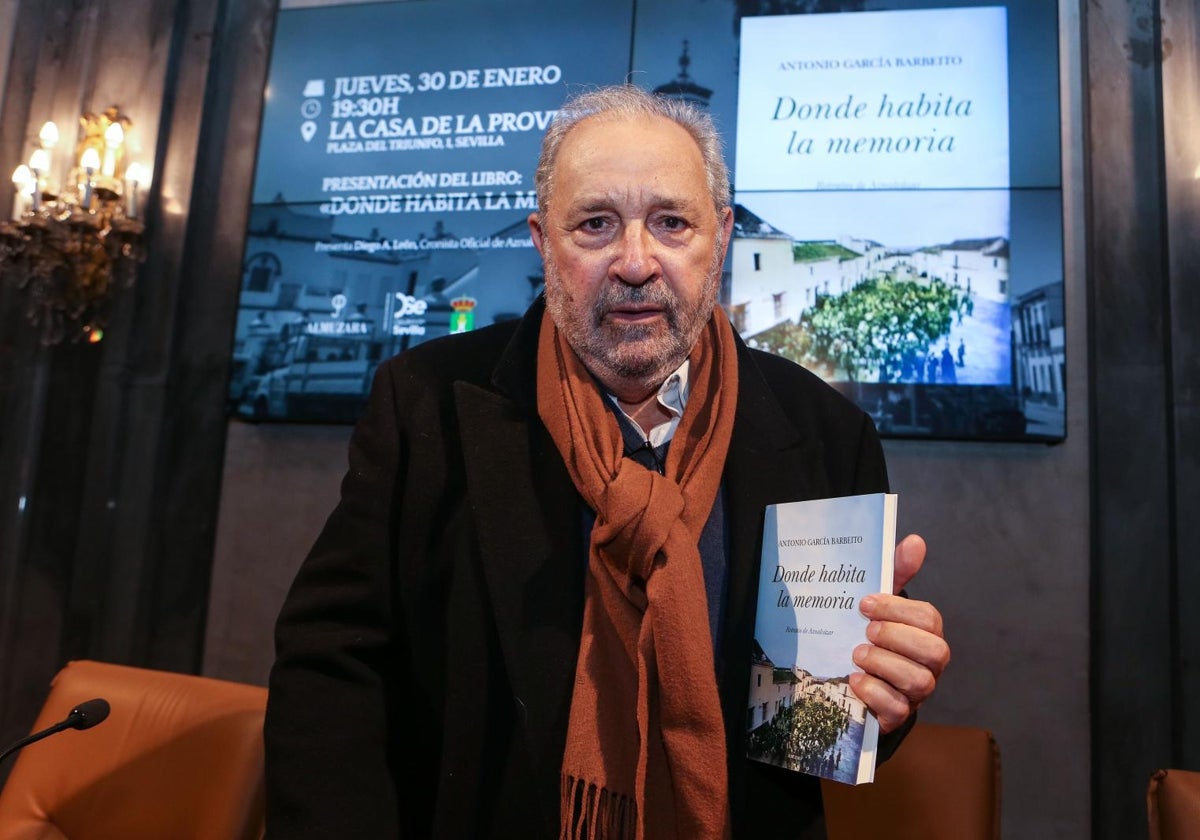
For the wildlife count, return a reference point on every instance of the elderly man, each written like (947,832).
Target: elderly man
(532,612)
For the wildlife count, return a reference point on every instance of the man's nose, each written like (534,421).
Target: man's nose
(635,263)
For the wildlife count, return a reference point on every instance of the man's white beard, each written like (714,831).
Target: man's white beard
(639,355)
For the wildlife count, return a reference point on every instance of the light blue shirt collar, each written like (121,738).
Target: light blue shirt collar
(672,396)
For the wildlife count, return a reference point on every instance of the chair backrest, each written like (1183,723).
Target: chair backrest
(1173,805)
(943,783)
(179,756)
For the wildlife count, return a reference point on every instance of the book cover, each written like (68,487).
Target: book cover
(819,559)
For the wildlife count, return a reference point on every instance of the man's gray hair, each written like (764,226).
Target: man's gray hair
(631,101)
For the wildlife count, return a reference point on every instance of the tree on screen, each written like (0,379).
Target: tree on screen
(882,330)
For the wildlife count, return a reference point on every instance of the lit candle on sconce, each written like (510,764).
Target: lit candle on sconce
(48,135)
(72,244)
(136,177)
(114,137)
(23,181)
(39,164)
(49,139)
(89,161)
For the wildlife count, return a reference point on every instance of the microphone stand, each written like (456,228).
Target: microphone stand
(84,716)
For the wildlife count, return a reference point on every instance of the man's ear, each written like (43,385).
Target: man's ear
(535,231)
(726,231)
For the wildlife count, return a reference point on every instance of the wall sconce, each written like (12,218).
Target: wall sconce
(69,247)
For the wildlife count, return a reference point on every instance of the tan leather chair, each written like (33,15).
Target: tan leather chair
(178,757)
(1173,805)
(943,783)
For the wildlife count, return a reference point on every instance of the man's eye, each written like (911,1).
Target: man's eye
(671,223)
(596,223)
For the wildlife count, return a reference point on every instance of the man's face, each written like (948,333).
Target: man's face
(632,248)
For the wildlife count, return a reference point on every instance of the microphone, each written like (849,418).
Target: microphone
(84,716)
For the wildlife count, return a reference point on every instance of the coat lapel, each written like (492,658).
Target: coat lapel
(771,459)
(529,522)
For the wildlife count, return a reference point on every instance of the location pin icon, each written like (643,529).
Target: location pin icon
(308,128)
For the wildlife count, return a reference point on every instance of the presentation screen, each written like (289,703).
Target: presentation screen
(896,176)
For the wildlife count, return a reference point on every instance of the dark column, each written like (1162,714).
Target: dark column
(1181,113)
(1141,66)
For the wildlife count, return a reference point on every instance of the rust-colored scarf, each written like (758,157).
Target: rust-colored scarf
(645,753)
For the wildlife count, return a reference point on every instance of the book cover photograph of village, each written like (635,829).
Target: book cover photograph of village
(804,722)
(898,305)
(881,291)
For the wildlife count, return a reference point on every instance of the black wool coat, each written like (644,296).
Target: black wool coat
(426,650)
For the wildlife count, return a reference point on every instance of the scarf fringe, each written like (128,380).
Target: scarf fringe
(592,812)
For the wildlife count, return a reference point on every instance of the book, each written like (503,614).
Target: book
(819,559)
